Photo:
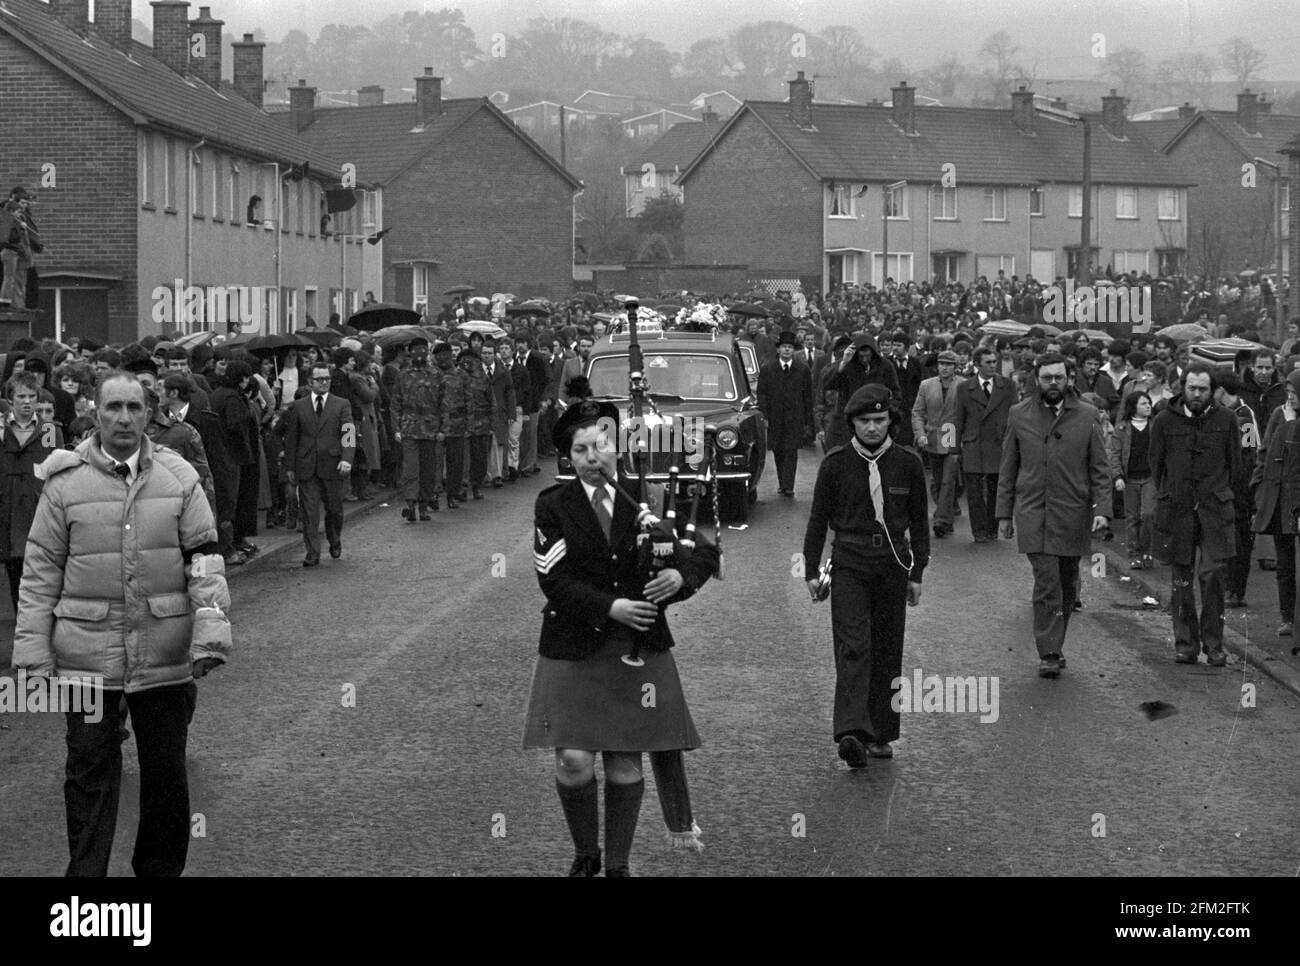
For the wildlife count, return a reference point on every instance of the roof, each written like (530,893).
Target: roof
(1162,131)
(384,140)
(150,93)
(677,147)
(1274,132)
(861,142)
(660,110)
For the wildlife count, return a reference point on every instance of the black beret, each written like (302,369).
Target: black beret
(587,412)
(871,398)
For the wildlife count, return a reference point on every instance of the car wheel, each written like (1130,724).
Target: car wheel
(733,502)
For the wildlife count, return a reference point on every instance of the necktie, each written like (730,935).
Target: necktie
(602,514)
(123,470)
(985,384)
(320,406)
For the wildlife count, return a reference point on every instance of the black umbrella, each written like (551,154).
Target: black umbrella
(528,308)
(279,340)
(749,308)
(321,336)
(381,315)
(459,290)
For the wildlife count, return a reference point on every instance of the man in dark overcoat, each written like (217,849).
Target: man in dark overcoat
(1053,479)
(983,403)
(785,397)
(1195,454)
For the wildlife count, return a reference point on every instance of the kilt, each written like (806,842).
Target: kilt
(601,704)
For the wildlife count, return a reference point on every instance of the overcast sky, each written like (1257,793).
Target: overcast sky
(1054,34)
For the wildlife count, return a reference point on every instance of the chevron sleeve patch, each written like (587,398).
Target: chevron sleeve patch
(545,562)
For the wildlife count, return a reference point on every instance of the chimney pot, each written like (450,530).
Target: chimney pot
(208,67)
(372,95)
(904,106)
(1022,109)
(428,96)
(302,106)
(801,96)
(1248,111)
(74,14)
(1185,110)
(113,23)
(1112,113)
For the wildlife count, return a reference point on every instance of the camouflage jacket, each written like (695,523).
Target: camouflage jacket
(477,406)
(417,402)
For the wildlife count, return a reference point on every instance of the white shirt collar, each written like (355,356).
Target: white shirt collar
(180,414)
(132,462)
(322,396)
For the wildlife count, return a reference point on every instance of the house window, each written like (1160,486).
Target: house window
(236,215)
(289,309)
(169,174)
(1286,212)
(995,204)
(420,288)
(989,266)
(943,201)
(842,268)
(842,201)
(1126,203)
(1171,262)
(216,186)
(900,267)
(370,203)
(1072,262)
(1167,204)
(297,203)
(146,169)
(1130,261)
(896,204)
(1076,201)
(946,268)
(1036,202)
(196,183)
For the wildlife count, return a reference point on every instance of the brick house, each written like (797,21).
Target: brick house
(143,164)
(472,199)
(797,191)
(1231,224)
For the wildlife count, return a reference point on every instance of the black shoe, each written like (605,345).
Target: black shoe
(585,866)
(1216,658)
(1232,600)
(312,560)
(1268,565)
(497,483)
(1050,665)
(853,752)
(512,475)
(247,549)
(433,505)
(1184,658)
(477,494)
(451,502)
(271,523)
(619,873)
(1077,605)
(424,512)
(336,550)
(880,749)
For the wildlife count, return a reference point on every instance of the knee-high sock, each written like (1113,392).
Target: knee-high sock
(581,811)
(674,796)
(622,808)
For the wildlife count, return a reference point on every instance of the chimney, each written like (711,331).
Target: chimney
(1186,111)
(801,96)
(904,102)
(372,95)
(428,96)
(1112,113)
(248,69)
(1022,109)
(1248,112)
(208,67)
(74,14)
(113,23)
(171,33)
(1262,106)
(709,115)
(302,106)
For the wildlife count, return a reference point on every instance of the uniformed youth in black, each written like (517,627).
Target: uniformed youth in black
(876,569)
(584,697)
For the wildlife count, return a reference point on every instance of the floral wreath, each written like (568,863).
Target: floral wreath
(704,317)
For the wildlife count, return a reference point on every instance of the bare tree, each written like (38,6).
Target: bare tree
(1241,59)
(946,75)
(1187,76)
(1126,68)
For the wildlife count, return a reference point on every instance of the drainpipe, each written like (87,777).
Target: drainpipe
(189,217)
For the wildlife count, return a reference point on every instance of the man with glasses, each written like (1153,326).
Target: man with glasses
(1054,479)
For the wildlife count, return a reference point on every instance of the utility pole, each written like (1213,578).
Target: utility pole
(563,152)
(1085,242)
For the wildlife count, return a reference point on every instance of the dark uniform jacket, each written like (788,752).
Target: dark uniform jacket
(417,403)
(1267,480)
(1193,462)
(20,490)
(582,575)
(842,501)
(313,447)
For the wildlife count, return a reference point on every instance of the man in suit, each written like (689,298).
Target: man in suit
(785,397)
(320,441)
(934,425)
(812,358)
(574,365)
(503,411)
(908,368)
(983,402)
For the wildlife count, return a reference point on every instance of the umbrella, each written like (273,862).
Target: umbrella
(434,331)
(1049,330)
(459,290)
(1184,332)
(749,308)
(399,335)
(1094,335)
(238,341)
(383,314)
(279,340)
(321,336)
(589,299)
(528,308)
(479,300)
(1247,273)
(482,327)
(666,307)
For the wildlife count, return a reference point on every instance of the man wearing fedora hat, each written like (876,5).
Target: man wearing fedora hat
(872,494)
(934,426)
(785,397)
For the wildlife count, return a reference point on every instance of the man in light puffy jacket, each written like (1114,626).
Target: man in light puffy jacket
(124,591)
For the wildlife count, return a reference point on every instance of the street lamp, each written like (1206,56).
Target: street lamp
(1278,307)
(887,196)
